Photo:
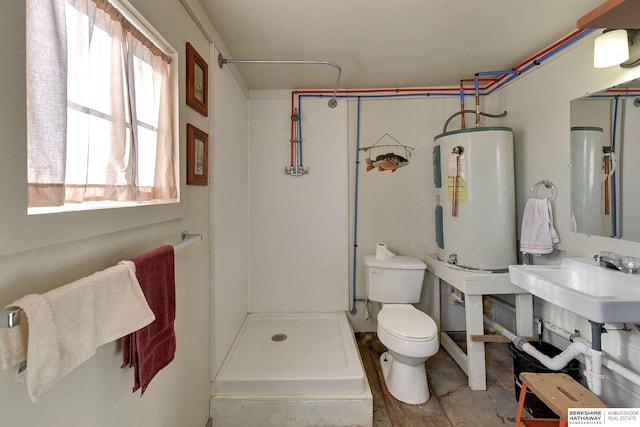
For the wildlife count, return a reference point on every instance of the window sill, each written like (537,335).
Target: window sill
(92,206)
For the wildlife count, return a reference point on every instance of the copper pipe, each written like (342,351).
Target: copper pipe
(456,151)
(454,201)
(605,166)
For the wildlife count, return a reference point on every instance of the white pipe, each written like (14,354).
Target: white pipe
(588,361)
(610,364)
(455,299)
(593,362)
(593,359)
(561,360)
(595,373)
(627,373)
(501,330)
(559,331)
(588,368)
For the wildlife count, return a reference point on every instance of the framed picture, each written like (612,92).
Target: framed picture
(197,156)
(197,82)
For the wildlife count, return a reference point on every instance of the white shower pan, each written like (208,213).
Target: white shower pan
(292,369)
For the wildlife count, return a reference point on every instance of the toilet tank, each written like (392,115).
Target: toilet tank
(395,280)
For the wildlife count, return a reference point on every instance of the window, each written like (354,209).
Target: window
(99,109)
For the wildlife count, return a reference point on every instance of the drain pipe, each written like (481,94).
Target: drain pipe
(561,360)
(594,369)
(610,364)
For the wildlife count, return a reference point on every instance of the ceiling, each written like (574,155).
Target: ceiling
(387,43)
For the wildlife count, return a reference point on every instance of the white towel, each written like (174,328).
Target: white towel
(537,235)
(67,325)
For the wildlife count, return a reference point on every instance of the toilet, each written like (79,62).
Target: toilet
(409,335)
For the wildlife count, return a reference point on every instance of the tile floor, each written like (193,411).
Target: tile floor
(452,403)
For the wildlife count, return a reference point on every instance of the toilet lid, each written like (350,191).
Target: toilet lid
(404,320)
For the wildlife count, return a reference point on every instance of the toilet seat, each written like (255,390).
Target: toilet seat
(407,322)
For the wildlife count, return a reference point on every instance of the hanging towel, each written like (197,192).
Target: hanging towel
(537,235)
(153,347)
(67,325)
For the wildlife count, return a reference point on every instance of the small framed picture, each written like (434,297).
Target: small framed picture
(197,156)
(197,82)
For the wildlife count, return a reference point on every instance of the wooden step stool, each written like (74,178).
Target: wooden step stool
(559,392)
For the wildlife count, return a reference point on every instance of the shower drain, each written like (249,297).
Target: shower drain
(278,337)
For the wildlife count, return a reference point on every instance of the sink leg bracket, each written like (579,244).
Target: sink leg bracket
(597,329)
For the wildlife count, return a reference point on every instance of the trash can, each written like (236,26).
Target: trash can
(523,362)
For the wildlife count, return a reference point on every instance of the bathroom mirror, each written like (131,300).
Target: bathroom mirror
(605,154)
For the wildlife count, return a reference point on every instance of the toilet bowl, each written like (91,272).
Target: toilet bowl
(411,337)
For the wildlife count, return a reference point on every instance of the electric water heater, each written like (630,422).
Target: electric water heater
(475,198)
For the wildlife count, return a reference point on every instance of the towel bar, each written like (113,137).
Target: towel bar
(11,318)
(186,239)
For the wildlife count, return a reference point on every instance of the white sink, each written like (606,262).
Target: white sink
(584,287)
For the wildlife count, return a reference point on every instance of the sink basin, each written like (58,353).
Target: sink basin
(584,287)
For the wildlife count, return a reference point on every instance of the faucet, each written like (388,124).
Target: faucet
(626,264)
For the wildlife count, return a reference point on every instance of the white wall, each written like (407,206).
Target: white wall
(298,224)
(229,212)
(396,208)
(98,393)
(538,105)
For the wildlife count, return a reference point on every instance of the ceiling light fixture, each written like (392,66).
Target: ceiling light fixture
(610,48)
(617,47)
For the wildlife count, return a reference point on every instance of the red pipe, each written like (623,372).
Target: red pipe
(491,81)
(397,90)
(553,46)
(627,90)
(423,89)
(472,79)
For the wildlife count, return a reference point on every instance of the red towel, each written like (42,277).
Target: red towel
(153,347)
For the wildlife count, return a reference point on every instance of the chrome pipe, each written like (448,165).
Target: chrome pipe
(332,102)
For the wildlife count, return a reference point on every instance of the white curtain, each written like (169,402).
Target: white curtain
(99,107)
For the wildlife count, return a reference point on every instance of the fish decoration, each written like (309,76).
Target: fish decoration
(387,162)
